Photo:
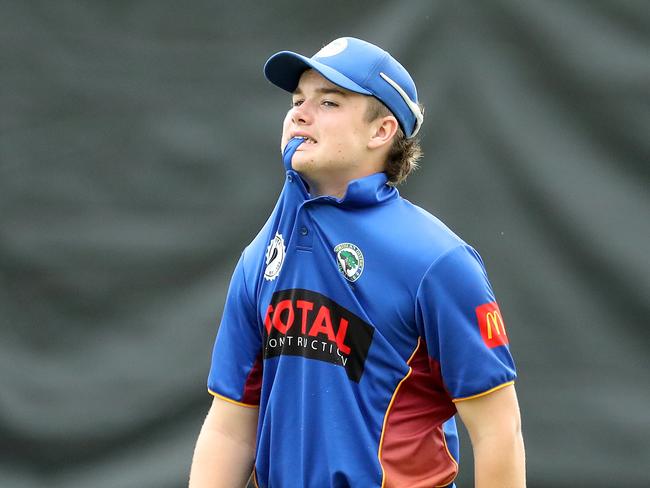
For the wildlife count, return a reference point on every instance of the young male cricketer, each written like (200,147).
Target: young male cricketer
(356,323)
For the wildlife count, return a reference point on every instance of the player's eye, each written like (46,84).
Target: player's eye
(297,102)
(330,103)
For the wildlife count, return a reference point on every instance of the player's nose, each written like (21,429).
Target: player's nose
(301,114)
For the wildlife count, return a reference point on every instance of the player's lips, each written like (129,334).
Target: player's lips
(308,138)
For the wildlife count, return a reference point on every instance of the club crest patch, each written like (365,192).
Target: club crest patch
(275,253)
(350,260)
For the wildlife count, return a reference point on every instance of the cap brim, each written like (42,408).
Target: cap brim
(284,69)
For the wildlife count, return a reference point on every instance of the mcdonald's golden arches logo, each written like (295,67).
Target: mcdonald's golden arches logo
(491,325)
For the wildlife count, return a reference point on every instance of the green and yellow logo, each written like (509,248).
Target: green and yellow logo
(350,260)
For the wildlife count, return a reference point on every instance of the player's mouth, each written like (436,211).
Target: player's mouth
(308,139)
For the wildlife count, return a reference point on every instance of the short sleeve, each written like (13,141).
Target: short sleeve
(236,369)
(464,330)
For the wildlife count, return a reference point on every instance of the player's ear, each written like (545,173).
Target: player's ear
(382,131)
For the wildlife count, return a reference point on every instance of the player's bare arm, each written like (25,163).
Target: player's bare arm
(225,450)
(494,426)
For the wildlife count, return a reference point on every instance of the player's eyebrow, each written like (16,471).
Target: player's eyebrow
(323,91)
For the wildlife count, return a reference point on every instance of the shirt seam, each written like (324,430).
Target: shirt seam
(230,400)
(483,393)
(246,290)
(435,263)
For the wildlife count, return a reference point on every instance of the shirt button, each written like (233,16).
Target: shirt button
(290,178)
(304,231)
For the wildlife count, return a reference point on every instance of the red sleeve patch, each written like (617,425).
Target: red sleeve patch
(490,323)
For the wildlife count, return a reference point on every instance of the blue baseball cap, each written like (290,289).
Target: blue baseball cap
(357,66)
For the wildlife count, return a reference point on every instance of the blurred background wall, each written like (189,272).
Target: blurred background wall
(139,153)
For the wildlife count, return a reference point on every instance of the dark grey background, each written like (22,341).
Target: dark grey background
(139,153)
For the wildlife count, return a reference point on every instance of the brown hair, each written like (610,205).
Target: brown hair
(404,153)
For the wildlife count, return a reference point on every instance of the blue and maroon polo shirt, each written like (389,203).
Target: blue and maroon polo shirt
(354,325)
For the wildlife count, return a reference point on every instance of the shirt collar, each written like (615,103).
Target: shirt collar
(361,192)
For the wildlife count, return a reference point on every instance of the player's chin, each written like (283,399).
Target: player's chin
(302,162)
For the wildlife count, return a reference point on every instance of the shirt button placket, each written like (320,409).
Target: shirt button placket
(304,228)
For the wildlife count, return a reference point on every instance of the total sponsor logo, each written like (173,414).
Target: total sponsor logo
(306,323)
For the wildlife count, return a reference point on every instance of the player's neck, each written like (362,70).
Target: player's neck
(333,188)
(330,188)
(336,185)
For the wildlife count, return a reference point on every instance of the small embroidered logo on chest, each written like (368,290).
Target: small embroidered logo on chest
(275,253)
(350,260)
